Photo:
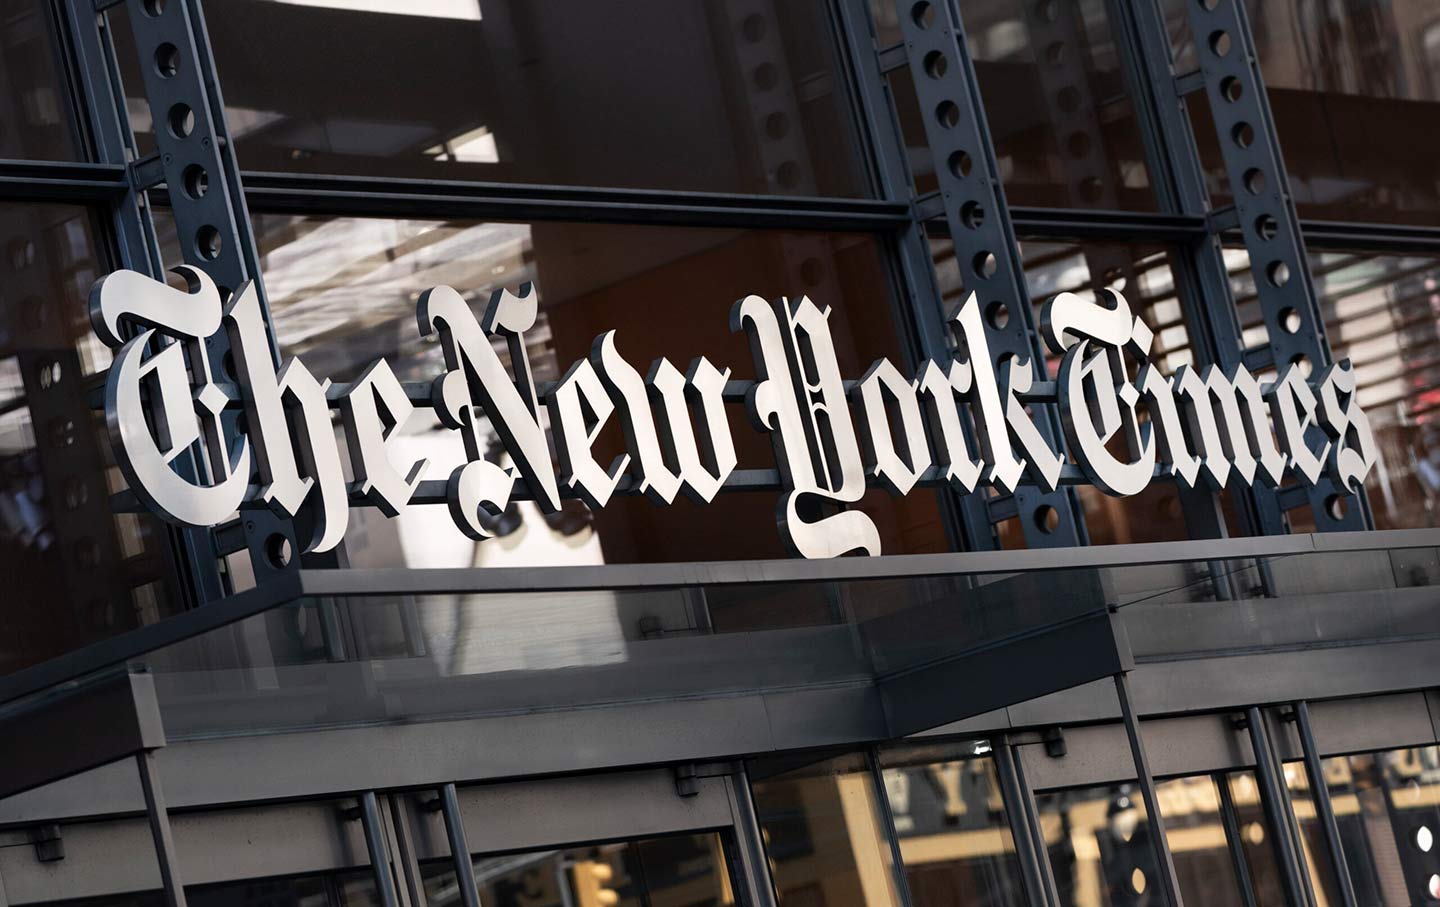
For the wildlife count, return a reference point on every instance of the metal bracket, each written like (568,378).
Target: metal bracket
(687,781)
(49,846)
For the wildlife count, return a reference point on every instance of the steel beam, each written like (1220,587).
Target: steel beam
(197,163)
(979,220)
(1268,223)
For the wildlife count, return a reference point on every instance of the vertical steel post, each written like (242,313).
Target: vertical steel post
(379,854)
(887,820)
(159,819)
(1169,884)
(1273,797)
(1324,809)
(1233,842)
(1024,827)
(979,220)
(754,865)
(459,847)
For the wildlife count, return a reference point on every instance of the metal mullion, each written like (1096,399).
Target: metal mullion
(887,820)
(1324,809)
(752,862)
(1274,799)
(159,820)
(1025,827)
(1265,209)
(191,551)
(1233,843)
(1164,865)
(378,849)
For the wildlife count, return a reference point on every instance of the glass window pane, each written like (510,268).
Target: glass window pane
(77,571)
(954,833)
(824,835)
(1198,846)
(1353,88)
(659,94)
(1055,98)
(670,871)
(1388,813)
(1382,312)
(1098,840)
(36,122)
(343,291)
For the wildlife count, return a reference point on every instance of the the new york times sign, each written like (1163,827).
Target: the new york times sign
(962,422)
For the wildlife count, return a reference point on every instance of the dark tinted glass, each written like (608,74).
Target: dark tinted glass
(1389,818)
(954,833)
(710,95)
(1382,312)
(1063,124)
(35,116)
(75,572)
(672,871)
(343,291)
(824,835)
(1355,88)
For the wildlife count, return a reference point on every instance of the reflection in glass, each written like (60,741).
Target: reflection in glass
(1101,851)
(955,839)
(1354,90)
(1056,103)
(1098,839)
(76,571)
(1387,808)
(647,94)
(1382,312)
(343,290)
(824,834)
(671,871)
(36,122)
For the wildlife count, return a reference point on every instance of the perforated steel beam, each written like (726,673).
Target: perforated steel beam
(1265,212)
(196,162)
(979,221)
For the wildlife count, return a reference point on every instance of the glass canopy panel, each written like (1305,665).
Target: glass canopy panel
(358,648)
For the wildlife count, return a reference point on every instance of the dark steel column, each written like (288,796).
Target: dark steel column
(159,819)
(195,161)
(459,847)
(1169,885)
(984,239)
(1233,842)
(754,865)
(1324,809)
(1025,827)
(892,838)
(379,854)
(1273,797)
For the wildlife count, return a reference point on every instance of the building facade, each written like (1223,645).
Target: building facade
(1046,694)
